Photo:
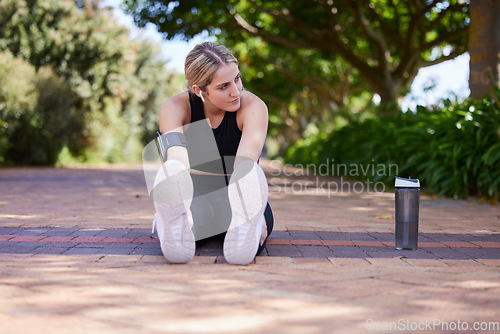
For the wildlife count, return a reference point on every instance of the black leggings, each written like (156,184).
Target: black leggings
(211,209)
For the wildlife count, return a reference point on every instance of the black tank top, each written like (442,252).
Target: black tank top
(227,134)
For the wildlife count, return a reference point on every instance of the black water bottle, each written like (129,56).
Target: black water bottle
(407,206)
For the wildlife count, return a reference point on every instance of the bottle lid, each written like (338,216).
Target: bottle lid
(402,182)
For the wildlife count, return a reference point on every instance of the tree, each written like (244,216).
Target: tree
(73,80)
(300,88)
(484,47)
(384,41)
(64,38)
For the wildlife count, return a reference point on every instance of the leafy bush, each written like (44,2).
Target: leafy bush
(18,98)
(35,113)
(454,151)
(75,86)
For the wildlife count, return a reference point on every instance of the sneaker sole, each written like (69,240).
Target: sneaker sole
(248,192)
(172,197)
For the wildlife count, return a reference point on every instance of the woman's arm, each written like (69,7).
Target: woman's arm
(253,119)
(174,112)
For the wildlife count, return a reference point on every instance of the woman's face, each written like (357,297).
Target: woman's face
(224,91)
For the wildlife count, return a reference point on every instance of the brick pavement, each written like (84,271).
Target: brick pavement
(309,244)
(76,252)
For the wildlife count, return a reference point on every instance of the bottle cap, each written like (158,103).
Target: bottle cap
(402,182)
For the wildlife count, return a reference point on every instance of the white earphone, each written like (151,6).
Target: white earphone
(202,99)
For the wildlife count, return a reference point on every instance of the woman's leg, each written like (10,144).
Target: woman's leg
(210,216)
(172,193)
(203,214)
(247,192)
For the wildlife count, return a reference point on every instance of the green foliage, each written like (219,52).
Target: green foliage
(36,112)
(74,85)
(278,75)
(40,133)
(454,151)
(314,61)
(18,96)
(382,42)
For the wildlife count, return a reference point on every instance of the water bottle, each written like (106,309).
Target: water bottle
(407,205)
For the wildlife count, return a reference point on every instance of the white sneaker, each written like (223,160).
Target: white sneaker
(248,192)
(172,196)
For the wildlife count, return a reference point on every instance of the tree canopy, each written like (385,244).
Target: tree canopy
(385,42)
(72,79)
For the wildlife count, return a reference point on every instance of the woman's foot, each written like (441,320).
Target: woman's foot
(172,196)
(248,192)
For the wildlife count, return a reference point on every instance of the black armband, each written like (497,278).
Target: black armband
(167,140)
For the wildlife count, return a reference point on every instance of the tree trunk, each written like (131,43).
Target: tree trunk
(484,47)
(388,101)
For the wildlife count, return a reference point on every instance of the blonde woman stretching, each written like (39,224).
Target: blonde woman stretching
(211,185)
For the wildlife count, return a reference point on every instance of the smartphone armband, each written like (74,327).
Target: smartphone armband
(167,140)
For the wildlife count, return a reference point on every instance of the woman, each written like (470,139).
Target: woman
(211,182)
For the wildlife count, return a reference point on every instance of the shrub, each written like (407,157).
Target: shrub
(37,117)
(454,150)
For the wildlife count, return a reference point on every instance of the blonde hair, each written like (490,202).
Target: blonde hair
(202,62)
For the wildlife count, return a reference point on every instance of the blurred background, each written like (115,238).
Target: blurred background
(357,83)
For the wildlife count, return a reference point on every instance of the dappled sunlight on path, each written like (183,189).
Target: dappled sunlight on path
(76,252)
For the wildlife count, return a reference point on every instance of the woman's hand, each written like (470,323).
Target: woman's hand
(264,233)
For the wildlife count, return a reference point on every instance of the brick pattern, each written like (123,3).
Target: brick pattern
(328,267)
(294,244)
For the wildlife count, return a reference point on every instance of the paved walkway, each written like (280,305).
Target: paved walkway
(77,255)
